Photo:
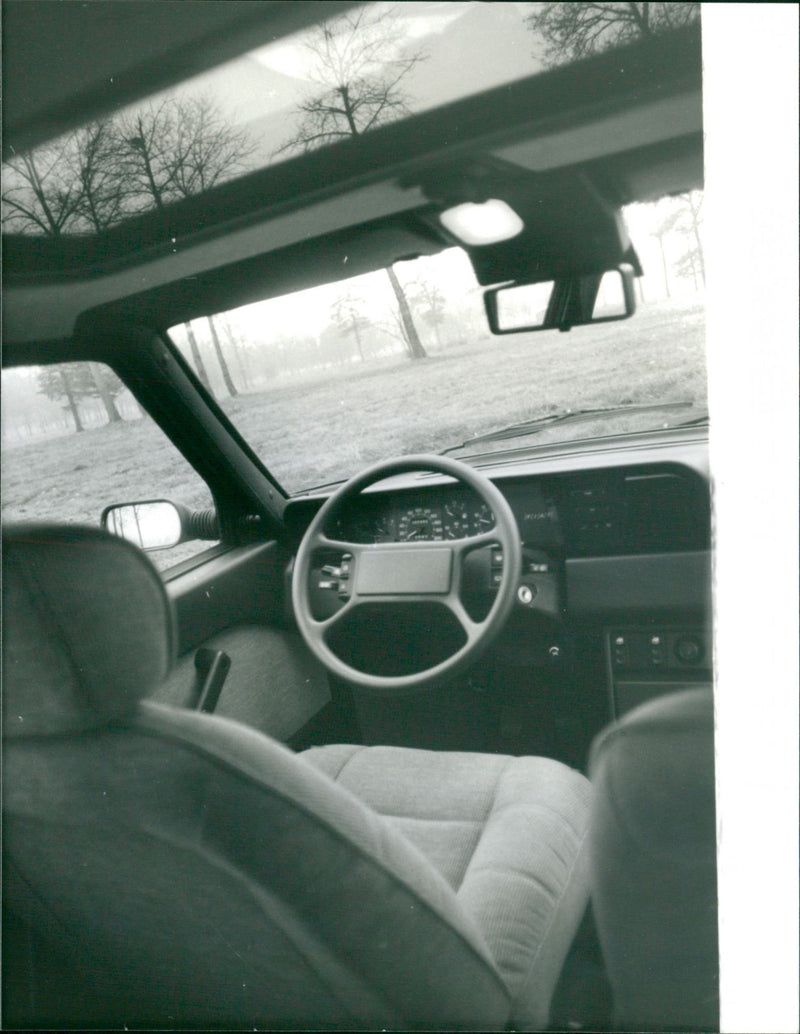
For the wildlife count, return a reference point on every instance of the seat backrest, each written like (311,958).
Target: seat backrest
(653,851)
(173,869)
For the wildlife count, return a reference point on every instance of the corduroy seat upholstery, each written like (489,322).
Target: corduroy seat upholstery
(165,868)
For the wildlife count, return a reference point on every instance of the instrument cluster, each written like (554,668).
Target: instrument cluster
(461,515)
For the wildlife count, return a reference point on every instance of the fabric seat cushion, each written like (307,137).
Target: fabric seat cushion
(507,833)
(332,917)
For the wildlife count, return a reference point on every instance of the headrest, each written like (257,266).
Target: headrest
(88,629)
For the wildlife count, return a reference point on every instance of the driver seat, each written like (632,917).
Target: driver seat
(166,868)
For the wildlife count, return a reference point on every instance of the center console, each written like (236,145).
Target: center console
(645,662)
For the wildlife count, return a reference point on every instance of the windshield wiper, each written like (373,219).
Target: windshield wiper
(539,423)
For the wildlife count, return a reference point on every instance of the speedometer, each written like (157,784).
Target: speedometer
(421,522)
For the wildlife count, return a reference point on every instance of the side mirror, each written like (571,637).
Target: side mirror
(562,304)
(159,524)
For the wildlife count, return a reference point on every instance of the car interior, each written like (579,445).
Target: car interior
(328,701)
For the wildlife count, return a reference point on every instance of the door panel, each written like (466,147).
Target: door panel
(236,603)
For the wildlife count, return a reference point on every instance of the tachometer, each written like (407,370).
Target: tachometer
(421,522)
(482,519)
(456,521)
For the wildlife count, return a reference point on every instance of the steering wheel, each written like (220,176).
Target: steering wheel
(407,572)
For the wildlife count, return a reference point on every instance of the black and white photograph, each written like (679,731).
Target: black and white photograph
(400,516)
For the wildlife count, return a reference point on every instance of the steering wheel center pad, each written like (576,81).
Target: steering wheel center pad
(404,571)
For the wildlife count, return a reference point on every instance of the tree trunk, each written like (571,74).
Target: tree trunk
(344,93)
(226,375)
(694,212)
(199,365)
(358,340)
(71,402)
(235,349)
(696,232)
(415,349)
(664,264)
(694,273)
(106,397)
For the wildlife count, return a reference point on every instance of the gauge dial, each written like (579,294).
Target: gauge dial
(456,521)
(383,529)
(482,519)
(420,523)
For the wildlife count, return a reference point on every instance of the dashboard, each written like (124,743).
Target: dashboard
(616,563)
(626,510)
(612,530)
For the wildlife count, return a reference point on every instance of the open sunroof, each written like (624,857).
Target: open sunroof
(337,81)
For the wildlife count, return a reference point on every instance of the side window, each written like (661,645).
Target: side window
(76,441)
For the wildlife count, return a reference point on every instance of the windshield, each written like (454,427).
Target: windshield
(327,380)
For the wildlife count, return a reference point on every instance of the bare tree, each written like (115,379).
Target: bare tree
(359,64)
(234,347)
(690,222)
(682,218)
(207,148)
(91,163)
(40,193)
(347,314)
(664,228)
(60,385)
(106,387)
(152,150)
(574,30)
(177,148)
(223,365)
(111,169)
(429,300)
(197,359)
(74,382)
(415,346)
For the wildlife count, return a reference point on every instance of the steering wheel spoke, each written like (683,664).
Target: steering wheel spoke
(323,541)
(471,628)
(324,625)
(486,538)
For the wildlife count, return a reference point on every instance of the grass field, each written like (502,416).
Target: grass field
(315,431)
(318,431)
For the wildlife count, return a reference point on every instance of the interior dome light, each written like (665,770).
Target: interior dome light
(486,223)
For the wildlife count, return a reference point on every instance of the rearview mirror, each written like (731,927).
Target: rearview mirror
(561,304)
(159,524)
